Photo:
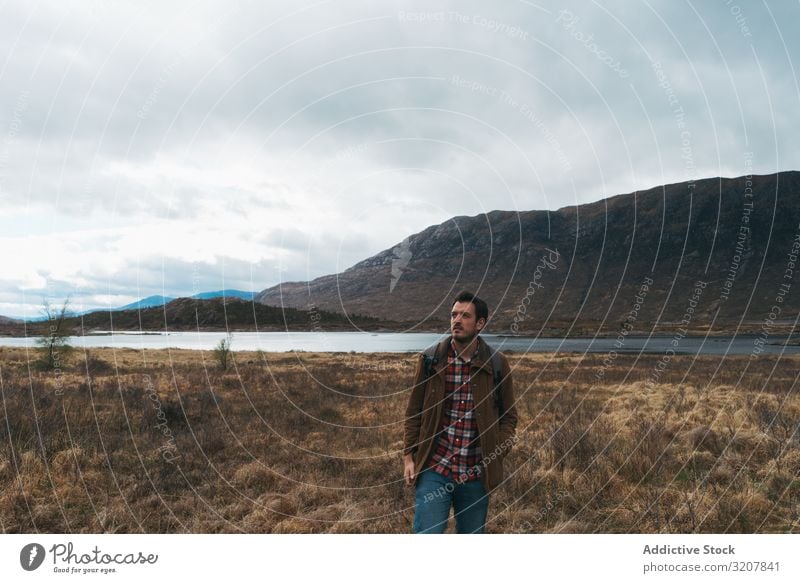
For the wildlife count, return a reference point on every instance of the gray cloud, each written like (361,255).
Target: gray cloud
(321,121)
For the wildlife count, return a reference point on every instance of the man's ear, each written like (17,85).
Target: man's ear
(480,324)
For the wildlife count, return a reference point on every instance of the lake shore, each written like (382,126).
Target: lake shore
(580,329)
(393,342)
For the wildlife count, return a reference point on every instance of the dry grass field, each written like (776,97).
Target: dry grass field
(163,441)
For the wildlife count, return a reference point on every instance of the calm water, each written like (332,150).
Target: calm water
(411,342)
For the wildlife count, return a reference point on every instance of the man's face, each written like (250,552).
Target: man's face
(463,324)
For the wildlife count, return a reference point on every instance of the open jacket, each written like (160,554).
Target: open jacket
(424,411)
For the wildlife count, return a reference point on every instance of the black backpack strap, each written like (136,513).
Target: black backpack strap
(431,359)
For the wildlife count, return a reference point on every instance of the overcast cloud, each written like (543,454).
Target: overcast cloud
(151,147)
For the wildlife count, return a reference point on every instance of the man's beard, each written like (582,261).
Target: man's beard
(462,335)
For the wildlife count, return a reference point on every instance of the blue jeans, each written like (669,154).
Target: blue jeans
(434,496)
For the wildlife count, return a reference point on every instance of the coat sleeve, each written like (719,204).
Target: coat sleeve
(508,422)
(414,410)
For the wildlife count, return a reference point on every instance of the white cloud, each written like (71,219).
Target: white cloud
(143,144)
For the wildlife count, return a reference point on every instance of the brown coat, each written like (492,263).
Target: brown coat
(424,412)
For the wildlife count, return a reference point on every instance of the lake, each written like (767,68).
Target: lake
(413,342)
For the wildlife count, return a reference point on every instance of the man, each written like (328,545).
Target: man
(458,425)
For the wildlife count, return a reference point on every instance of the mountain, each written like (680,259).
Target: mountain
(158,300)
(216,314)
(155,301)
(148,302)
(227,293)
(716,250)
(9,323)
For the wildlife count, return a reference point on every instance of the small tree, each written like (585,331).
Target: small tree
(54,346)
(222,352)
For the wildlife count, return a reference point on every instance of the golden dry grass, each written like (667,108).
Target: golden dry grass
(162,441)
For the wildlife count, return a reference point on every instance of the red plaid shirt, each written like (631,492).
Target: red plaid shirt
(457,452)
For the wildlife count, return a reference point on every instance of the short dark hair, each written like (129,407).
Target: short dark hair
(481,309)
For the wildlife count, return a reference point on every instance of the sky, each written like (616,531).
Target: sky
(172,148)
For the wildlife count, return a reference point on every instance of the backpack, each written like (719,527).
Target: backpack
(431,359)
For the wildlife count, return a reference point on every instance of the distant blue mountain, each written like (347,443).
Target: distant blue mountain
(156,301)
(148,302)
(228,293)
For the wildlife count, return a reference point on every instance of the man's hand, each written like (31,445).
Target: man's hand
(408,468)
